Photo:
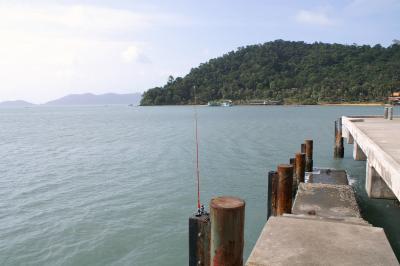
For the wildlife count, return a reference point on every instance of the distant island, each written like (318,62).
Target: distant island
(93,99)
(83,99)
(288,72)
(18,103)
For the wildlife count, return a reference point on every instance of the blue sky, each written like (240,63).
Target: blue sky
(52,48)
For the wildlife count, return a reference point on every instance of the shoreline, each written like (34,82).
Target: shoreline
(353,104)
(245,104)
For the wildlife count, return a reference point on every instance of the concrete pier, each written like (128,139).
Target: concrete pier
(325,228)
(293,241)
(376,140)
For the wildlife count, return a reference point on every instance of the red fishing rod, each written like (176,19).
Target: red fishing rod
(200,208)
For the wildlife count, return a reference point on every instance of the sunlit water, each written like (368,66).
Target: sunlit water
(115,185)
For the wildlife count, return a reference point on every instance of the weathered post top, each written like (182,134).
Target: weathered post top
(227,202)
(227,231)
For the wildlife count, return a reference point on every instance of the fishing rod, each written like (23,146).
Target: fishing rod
(200,207)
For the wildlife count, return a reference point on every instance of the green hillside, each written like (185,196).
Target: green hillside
(293,72)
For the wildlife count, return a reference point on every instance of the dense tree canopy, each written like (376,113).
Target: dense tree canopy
(293,72)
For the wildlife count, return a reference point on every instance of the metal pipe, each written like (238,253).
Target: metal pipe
(272,191)
(339,147)
(300,167)
(309,155)
(227,231)
(284,195)
(199,240)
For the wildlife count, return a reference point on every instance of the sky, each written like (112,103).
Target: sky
(49,49)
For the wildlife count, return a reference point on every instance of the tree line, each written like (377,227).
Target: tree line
(291,72)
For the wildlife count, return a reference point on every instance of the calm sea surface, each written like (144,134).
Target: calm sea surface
(115,185)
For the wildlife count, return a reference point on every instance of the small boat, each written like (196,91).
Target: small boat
(226,103)
(223,103)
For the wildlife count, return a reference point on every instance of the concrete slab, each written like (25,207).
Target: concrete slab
(327,176)
(289,241)
(378,138)
(326,200)
(349,220)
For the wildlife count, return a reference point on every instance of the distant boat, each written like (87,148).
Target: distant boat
(223,103)
(213,103)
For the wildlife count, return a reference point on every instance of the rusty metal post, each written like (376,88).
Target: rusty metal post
(272,193)
(303,148)
(309,155)
(227,231)
(390,113)
(199,240)
(300,167)
(339,148)
(285,183)
(292,161)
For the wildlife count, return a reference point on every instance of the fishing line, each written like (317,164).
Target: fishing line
(200,208)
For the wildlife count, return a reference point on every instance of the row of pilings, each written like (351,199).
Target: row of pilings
(217,238)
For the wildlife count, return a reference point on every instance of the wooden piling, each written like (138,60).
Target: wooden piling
(390,113)
(309,155)
(300,167)
(284,195)
(386,113)
(303,148)
(227,231)
(199,240)
(272,193)
(292,161)
(339,148)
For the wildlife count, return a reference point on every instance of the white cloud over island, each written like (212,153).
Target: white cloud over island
(319,18)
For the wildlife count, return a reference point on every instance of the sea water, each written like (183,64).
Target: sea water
(115,185)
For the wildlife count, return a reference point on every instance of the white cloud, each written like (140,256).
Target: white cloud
(130,54)
(319,18)
(49,51)
(76,17)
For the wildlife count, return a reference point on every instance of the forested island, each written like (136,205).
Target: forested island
(290,72)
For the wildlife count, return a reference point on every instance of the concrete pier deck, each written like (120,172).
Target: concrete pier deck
(326,200)
(376,140)
(324,228)
(291,241)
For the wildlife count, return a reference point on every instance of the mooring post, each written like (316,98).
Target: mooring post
(199,239)
(390,113)
(300,167)
(386,113)
(227,231)
(272,193)
(309,155)
(303,148)
(285,183)
(292,161)
(339,148)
